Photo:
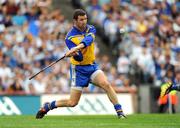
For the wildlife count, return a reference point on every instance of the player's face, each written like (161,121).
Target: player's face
(81,22)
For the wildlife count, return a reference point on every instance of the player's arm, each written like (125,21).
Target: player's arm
(74,50)
(89,37)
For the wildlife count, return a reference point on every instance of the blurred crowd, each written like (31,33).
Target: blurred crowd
(32,36)
(143,34)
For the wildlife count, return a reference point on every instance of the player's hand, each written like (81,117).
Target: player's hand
(72,52)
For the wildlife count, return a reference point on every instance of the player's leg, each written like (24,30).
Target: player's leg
(75,95)
(72,101)
(100,80)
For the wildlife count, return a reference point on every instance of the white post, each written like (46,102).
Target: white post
(169,104)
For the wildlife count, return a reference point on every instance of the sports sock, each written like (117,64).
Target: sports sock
(53,105)
(50,106)
(117,107)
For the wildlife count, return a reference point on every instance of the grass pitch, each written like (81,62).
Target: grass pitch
(95,121)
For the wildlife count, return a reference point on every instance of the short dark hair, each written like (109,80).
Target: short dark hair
(78,12)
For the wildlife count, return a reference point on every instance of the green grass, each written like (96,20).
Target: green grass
(133,121)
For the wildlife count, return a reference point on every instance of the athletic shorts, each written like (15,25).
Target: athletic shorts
(82,75)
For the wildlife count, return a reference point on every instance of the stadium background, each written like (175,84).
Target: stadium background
(136,62)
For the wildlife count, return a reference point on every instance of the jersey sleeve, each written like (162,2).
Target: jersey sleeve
(70,45)
(89,37)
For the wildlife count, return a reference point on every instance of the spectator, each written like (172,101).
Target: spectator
(123,64)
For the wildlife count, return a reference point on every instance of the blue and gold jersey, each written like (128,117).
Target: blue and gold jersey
(74,37)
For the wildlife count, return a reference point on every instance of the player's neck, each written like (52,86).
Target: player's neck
(80,29)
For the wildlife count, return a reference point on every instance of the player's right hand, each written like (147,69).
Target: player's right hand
(72,52)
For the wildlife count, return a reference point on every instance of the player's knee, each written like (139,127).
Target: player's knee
(106,85)
(72,103)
